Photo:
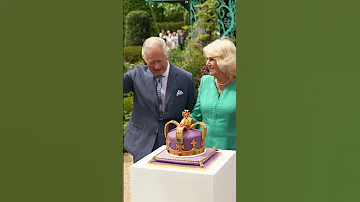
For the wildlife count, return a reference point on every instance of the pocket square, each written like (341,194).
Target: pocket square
(179,93)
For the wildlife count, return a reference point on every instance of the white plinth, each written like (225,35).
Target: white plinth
(160,184)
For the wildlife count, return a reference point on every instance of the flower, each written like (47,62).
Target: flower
(204,69)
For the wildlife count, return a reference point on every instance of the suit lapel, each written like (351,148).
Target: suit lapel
(172,83)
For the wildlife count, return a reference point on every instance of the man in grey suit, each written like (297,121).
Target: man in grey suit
(161,92)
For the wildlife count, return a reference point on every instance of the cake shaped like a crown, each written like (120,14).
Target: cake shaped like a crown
(185,140)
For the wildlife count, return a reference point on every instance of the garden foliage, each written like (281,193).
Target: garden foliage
(171,26)
(132,54)
(205,27)
(140,5)
(137,25)
(168,12)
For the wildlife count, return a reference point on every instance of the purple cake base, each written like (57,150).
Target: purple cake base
(164,159)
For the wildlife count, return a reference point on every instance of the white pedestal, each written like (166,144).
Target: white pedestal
(160,184)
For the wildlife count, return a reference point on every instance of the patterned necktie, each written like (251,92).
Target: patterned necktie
(158,85)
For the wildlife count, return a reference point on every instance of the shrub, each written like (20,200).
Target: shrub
(140,5)
(173,13)
(137,24)
(176,56)
(175,17)
(186,17)
(172,26)
(127,67)
(205,27)
(128,103)
(132,54)
(191,60)
(158,13)
(193,63)
(168,12)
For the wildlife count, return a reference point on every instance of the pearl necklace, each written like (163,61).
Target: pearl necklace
(220,84)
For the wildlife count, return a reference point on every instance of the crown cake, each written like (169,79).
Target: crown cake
(185,140)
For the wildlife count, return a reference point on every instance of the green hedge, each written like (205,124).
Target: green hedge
(132,54)
(174,17)
(172,26)
(140,5)
(137,25)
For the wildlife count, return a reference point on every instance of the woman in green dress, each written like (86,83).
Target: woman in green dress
(216,102)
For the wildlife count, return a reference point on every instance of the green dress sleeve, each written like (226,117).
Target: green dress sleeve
(196,112)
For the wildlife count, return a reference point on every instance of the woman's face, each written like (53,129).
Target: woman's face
(211,64)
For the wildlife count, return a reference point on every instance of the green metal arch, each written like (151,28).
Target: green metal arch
(227,17)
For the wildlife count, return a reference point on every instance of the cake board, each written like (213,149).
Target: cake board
(198,162)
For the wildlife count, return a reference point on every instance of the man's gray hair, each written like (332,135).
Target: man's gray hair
(153,42)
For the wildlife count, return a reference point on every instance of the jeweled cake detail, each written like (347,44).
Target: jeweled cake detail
(184,140)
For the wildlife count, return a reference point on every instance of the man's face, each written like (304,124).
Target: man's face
(156,60)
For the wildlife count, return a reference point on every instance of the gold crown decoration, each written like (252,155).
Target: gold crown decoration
(188,142)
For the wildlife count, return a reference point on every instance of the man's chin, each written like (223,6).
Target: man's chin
(158,70)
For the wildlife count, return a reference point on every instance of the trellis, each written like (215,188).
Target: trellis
(227,14)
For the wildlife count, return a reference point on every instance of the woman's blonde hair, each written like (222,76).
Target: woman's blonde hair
(224,52)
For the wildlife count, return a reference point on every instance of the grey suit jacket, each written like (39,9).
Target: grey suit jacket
(145,124)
